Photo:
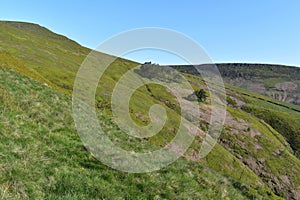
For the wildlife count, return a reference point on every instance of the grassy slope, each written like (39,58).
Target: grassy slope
(267,154)
(43,157)
(56,63)
(47,56)
(283,117)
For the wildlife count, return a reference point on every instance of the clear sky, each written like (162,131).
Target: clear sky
(256,31)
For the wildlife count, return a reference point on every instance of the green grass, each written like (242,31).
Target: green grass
(283,122)
(271,82)
(53,58)
(42,156)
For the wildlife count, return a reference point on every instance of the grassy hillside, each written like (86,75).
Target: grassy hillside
(279,124)
(46,56)
(277,81)
(43,156)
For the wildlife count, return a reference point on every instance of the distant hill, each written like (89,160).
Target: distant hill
(277,81)
(42,156)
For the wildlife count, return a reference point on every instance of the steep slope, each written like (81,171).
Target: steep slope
(48,56)
(284,117)
(277,81)
(261,146)
(39,137)
(42,156)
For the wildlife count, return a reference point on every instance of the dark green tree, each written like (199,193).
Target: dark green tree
(201,95)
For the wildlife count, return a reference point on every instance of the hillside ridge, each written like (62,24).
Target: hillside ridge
(280,82)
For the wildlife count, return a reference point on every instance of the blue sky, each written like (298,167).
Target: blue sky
(230,31)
